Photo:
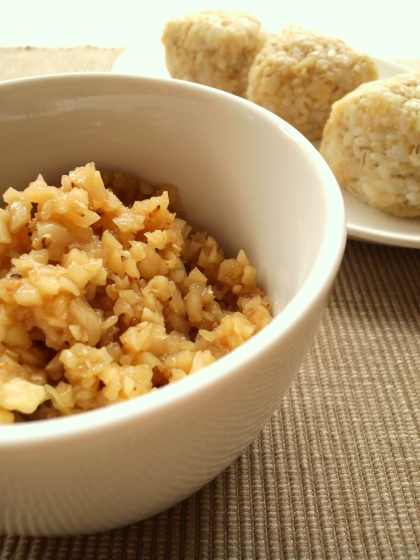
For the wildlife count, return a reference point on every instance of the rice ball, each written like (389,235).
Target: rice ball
(213,48)
(298,75)
(372,144)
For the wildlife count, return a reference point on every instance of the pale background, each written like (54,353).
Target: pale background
(386,29)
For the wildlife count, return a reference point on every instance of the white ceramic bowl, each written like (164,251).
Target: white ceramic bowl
(251,181)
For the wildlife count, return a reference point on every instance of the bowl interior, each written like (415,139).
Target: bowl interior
(244,175)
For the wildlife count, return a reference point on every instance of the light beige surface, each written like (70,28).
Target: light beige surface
(335,474)
(28,61)
(415,64)
(383,29)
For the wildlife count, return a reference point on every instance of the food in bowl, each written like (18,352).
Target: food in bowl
(299,74)
(213,48)
(372,144)
(101,302)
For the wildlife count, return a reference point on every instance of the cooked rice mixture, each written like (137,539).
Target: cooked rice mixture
(101,302)
(213,48)
(372,144)
(298,75)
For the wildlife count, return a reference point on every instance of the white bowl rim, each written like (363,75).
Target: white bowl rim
(316,286)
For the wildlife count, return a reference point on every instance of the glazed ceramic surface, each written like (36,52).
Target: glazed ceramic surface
(252,182)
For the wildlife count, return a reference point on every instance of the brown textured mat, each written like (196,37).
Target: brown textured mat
(29,61)
(336,472)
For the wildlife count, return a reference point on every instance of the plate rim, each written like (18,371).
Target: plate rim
(356,231)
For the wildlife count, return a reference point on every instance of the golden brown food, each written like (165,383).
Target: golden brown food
(101,302)
(298,75)
(213,48)
(372,144)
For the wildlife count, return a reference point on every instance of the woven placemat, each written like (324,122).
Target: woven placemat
(29,61)
(336,472)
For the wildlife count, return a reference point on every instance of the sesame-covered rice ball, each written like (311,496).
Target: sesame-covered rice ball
(298,75)
(213,48)
(372,144)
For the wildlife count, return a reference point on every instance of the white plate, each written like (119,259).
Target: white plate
(147,60)
(363,222)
